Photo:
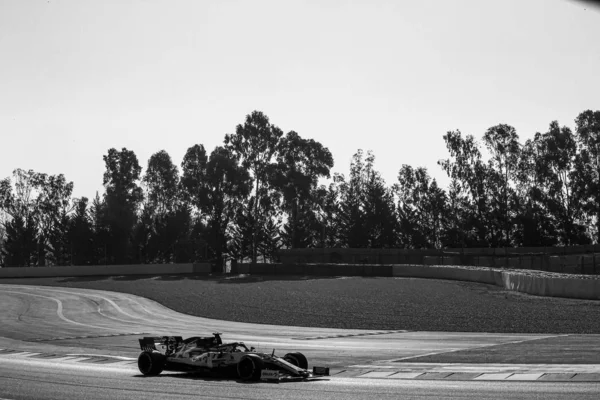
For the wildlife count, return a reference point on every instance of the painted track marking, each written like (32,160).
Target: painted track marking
(59,310)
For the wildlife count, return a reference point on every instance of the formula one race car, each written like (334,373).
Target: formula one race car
(210,354)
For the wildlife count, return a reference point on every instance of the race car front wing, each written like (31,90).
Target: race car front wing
(273,375)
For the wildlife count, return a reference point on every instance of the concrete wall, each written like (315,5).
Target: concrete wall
(575,288)
(573,259)
(531,282)
(355,256)
(105,270)
(320,269)
(488,276)
(526,281)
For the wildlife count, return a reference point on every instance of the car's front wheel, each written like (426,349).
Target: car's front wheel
(249,368)
(151,364)
(297,359)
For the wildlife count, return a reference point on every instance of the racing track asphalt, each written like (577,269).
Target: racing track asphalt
(35,379)
(67,343)
(352,302)
(110,322)
(47,322)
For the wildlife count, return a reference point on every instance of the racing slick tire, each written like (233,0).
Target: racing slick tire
(249,368)
(297,359)
(151,363)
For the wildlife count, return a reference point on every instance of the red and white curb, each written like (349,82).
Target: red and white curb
(479,372)
(68,358)
(408,371)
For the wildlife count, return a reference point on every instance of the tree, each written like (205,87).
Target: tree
(80,234)
(20,200)
(466,167)
(193,191)
(502,142)
(2,239)
(193,177)
(242,230)
(217,186)
(365,210)
(423,208)
(100,230)
(300,164)
(21,242)
(326,200)
(53,207)
(255,145)
(184,248)
(381,220)
(143,240)
(58,240)
(227,184)
(459,230)
(41,203)
(555,169)
(313,220)
(587,169)
(160,231)
(534,224)
(350,214)
(19,212)
(123,196)
(270,240)
(6,199)
(162,183)
(168,236)
(362,207)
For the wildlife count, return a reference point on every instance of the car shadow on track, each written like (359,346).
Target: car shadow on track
(222,378)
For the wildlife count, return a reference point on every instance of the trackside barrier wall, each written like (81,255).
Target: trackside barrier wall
(521,281)
(320,269)
(525,281)
(572,259)
(105,270)
(588,289)
(489,276)
(530,282)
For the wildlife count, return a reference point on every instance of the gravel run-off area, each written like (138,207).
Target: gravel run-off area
(352,302)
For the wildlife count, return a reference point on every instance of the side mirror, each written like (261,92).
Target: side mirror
(251,348)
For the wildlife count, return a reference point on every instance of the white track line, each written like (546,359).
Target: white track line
(112,303)
(59,311)
(139,318)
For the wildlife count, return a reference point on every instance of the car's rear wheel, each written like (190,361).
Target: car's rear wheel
(249,368)
(297,359)
(151,364)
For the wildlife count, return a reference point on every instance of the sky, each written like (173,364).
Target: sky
(79,77)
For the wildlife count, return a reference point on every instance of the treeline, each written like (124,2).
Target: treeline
(260,192)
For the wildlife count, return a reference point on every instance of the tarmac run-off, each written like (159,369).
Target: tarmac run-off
(99,329)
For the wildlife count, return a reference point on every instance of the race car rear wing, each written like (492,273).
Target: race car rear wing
(148,343)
